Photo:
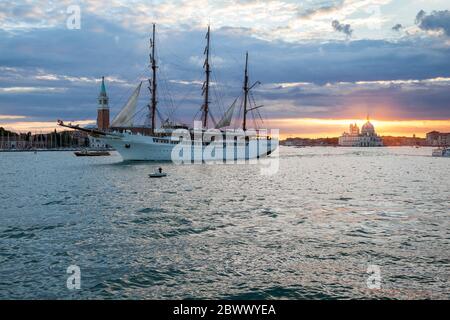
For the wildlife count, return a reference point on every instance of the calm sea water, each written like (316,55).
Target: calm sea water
(310,231)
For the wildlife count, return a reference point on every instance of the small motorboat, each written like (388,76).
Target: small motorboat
(441,152)
(91,153)
(158,174)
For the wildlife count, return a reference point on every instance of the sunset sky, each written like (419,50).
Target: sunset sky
(322,64)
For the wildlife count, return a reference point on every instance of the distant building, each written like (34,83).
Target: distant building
(103,109)
(303,142)
(366,138)
(404,141)
(435,138)
(13,142)
(52,140)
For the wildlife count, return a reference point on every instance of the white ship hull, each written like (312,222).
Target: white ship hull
(132,147)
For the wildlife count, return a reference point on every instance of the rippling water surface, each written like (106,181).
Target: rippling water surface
(227,231)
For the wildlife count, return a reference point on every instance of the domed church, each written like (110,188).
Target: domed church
(368,129)
(366,138)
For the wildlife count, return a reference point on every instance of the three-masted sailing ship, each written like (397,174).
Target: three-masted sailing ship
(157,144)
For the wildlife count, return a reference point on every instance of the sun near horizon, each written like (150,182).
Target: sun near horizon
(323,128)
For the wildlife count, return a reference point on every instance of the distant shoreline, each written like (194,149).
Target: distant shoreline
(51,150)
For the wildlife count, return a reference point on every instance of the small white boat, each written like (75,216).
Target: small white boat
(441,152)
(157,175)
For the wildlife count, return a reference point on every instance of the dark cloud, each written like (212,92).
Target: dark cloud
(102,48)
(322,9)
(341,27)
(397,27)
(236,30)
(420,15)
(353,100)
(435,21)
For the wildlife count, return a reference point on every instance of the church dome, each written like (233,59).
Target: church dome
(368,129)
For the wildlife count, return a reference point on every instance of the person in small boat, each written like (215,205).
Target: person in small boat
(160,170)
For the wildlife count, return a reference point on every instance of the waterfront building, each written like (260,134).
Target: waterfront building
(15,142)
(435,138)
(303,142)
(43,141)
(413,141)
(367,137)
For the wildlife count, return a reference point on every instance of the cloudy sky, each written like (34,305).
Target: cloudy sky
(321,63)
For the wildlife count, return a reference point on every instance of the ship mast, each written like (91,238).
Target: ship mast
(205,92)
(152,86)
(246,90)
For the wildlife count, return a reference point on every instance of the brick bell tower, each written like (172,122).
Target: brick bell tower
(103,109)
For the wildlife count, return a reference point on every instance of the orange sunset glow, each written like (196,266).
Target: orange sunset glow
(295,127)
(38,126)
(321,128)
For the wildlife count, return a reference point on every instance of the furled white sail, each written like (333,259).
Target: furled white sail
(226,119)
(125,116)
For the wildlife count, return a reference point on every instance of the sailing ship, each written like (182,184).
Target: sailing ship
(177,140)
